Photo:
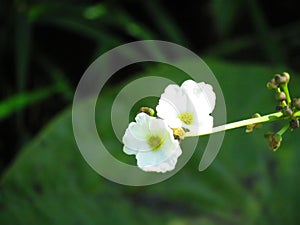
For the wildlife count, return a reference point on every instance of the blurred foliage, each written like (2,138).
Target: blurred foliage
(19,101)
(45,46)
(50,183)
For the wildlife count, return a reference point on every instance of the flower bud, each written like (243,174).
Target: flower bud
(296,103)
(274,140)
(294,123)
(272,84)
(281,79)
(287,76)
(148,111)
(280,96)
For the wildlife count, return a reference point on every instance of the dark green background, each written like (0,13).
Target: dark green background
(45,46)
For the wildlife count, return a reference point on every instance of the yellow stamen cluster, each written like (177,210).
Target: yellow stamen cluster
(186,117)
(155,142)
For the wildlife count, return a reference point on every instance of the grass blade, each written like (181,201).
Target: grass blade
(19,101)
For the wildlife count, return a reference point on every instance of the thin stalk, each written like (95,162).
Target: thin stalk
(296,114)
(287,93)
(283,102)
(242,123)
(283,129)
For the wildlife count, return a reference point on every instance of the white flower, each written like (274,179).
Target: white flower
(153,143)
(188,106)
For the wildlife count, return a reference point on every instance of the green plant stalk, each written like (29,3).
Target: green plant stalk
(283,129)
(242,123)
(283,102)
(287,93)
(296,114)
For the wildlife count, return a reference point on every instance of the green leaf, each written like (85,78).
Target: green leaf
(226,13)
(22,49)
(60,80)
(165,22)
(269,44)
(20,101)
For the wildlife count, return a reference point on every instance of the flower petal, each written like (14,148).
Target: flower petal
(201,94)
(166,111)
(149,163)
(148,158)
(201,126)
(140,128)
(133,143)
(172,103)
(167,106)
(129,151)
(160,126)
(136,133)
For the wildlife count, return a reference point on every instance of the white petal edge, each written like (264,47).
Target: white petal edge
(165,166)
(172,103)
(136,133)
(132,142)
(201,94)
(129,151)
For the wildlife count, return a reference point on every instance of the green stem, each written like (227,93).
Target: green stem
(287,93)
(296,114)
(283,129)
(283,102)
(242,123)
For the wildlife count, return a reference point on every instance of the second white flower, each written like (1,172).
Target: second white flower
(188,106)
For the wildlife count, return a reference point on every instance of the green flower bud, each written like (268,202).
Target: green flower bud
(148,111)
(280,96)
(294,123)
(274,140)
(296,103)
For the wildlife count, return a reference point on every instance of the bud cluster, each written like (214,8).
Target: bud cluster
(290,108)
(278,80)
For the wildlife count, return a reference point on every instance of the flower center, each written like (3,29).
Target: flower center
(155,142)
(186,117)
